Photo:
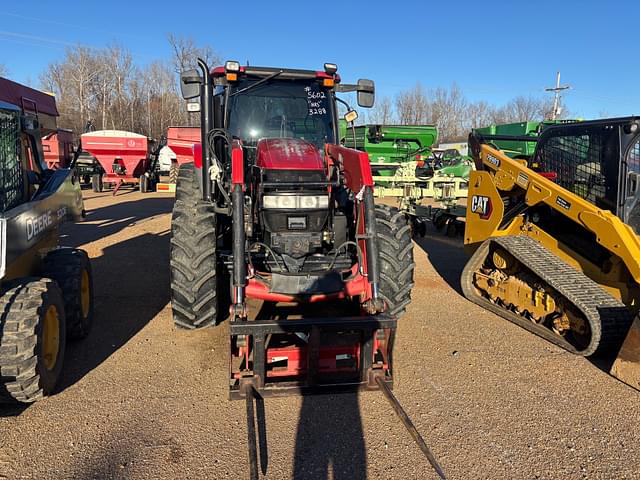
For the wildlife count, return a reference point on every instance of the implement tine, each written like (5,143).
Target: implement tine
(406,421)
(251,433)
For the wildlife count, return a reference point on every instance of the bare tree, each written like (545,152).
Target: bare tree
(4,71)
(186,53)
(479,114)
(413,107)
(449,111)
(107,87)
(382,112)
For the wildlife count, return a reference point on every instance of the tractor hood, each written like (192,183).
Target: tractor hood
(288,154)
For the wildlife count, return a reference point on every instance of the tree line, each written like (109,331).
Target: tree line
(453,113)
(107,87)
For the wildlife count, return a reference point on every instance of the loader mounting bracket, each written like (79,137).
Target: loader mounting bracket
(314,381)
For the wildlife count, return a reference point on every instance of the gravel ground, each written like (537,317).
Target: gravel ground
(140,400)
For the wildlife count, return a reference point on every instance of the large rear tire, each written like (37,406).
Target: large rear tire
(395,253)
(32,339)
(194,296)
(71,269)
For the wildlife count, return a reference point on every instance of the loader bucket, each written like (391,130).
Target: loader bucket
(626,367)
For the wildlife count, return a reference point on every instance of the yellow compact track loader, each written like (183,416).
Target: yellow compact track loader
(556,245)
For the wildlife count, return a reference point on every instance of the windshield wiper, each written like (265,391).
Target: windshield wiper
(259,82)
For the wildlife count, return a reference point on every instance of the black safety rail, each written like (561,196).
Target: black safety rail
(11,171)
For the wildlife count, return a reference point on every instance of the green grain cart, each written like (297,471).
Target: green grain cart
(517,148)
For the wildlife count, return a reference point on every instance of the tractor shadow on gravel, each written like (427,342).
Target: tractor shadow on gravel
(329,435)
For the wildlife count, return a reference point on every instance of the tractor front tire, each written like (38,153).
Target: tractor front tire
(194,296)
(71,269)
(173,172)
(32,339)
(96,182)
(395,253)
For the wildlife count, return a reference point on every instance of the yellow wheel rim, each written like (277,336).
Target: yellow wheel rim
(85,294)
(51,337)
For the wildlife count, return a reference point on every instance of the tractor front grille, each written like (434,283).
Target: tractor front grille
(11,171)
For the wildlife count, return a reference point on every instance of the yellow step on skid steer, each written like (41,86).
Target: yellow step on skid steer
(556,245)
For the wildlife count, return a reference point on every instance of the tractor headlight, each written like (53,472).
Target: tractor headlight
(303,202)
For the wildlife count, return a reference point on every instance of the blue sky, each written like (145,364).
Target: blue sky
(492,50)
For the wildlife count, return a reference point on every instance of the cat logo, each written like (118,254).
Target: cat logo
(482,206)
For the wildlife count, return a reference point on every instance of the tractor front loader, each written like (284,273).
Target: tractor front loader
(46,293)
(557,247)
(274,207)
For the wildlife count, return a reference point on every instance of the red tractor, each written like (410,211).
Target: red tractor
(274,203)
(274,208)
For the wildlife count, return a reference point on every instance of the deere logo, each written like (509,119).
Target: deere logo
(481,205)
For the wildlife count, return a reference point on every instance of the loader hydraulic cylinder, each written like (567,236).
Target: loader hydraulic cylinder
(239,261)
(373,268)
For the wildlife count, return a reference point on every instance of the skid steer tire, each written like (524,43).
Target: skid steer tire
(395,251)
(194,296)
(32,339)
(173,172)
(71,270)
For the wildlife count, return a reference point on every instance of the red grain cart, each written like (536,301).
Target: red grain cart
(181,141)
(58,148)
(124,157)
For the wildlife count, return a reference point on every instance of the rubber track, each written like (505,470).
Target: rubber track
(193,256)
(608,317)
(395,248)
(19,314)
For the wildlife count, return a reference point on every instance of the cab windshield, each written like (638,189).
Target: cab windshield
(281,109)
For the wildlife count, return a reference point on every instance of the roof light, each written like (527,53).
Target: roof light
(330,68)
(328,82)
(232,66)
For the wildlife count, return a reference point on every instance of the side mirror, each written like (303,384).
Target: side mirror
(351,116)
(190,81)
(366,93)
